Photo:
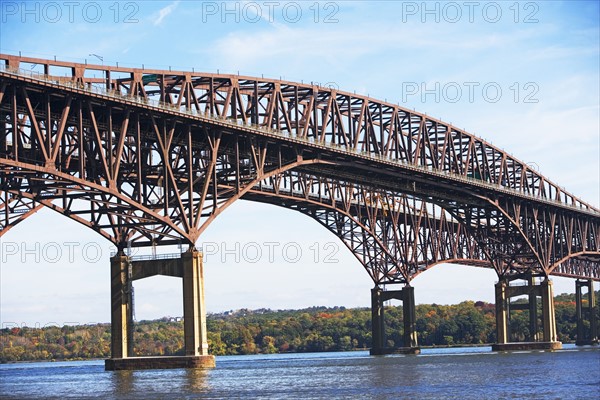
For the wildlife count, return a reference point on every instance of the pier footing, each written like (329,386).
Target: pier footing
(395,350)
(587,342)
(527,346)
(162,362)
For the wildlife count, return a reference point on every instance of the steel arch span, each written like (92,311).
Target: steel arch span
(152,157)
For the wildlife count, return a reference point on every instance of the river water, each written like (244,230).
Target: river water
(460,373)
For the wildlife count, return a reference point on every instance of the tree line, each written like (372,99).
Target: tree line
(266,331)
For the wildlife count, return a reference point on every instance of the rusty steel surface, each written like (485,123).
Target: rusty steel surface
(152,157)
(15,209)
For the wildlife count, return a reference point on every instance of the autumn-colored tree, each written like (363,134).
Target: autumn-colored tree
(266,331)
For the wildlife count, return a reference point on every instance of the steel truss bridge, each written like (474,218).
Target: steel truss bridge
(152,157)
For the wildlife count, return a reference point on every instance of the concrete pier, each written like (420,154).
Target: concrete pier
(121,322)
(194,311)
(516,346)
(124,271)
(378,297)
(586,335)
(504,292)
(159,362)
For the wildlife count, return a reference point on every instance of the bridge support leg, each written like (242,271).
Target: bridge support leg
(377,322)
(501,312)
(378,297)
(194,310)
(504,292)
(586,336)
(189,268)
(548,311)
(592,312)
(410,319)
(121,307)
(533,312)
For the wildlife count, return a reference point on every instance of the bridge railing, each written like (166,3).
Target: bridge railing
(150,257)
(238,124)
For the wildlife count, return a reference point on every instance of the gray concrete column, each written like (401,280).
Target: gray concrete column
(592,308)
(548,314)
(121,307)
(586,336)
(194,310)
(501,312)
(377,321)
(533,317)
(409,316)
(579,312)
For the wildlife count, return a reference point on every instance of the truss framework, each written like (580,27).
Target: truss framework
(152,157)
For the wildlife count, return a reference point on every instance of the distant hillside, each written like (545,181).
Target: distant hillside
(267,331)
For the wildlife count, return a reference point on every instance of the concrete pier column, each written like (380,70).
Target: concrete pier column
(586,336)
(502,312)
(187,266)
(579,312)
(548,314)
(533,315)
(377,321)
(504,292)
(409,315)
(592,311)
(407,297)
(121,307)
(194,310)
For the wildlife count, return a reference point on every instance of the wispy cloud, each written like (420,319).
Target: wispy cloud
(164,12)
(338,45)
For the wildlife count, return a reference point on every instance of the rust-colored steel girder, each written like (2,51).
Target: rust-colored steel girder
(15,209)
(152,157)
(395,236)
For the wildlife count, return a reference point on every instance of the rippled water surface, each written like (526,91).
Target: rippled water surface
(466,373)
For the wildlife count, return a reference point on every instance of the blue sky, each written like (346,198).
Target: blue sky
(523,75)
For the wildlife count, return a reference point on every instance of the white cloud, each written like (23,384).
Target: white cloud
(164,12)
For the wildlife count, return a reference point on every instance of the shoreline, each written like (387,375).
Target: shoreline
(441,346)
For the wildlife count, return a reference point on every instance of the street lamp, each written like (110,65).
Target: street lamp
(98,57)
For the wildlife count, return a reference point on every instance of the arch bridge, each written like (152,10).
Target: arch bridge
(151,157)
